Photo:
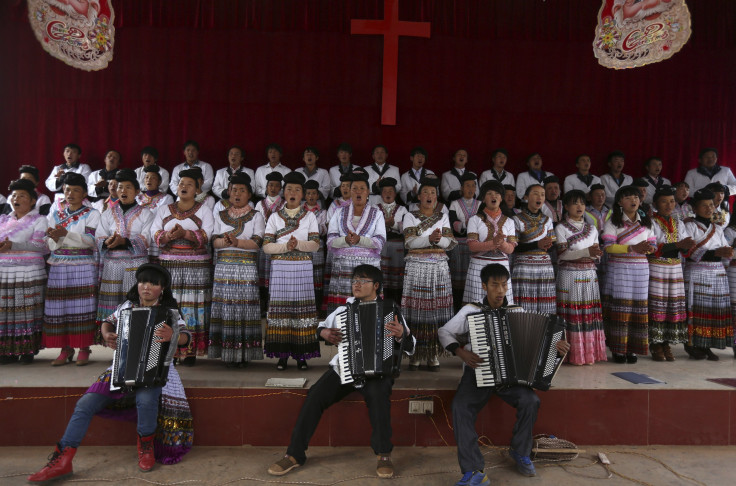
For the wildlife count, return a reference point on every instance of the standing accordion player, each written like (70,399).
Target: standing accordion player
(518,347)
(139,359)
(367,349)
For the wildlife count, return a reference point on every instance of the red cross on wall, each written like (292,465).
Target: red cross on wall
(391,28)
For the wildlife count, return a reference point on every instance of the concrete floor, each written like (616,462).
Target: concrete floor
(667,465)
(683,374)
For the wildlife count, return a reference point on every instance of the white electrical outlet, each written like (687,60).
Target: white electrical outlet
(421,407)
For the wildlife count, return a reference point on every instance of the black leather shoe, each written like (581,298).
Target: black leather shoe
(631,358)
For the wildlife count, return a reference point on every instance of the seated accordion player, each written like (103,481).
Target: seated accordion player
(139,359)
(517,347)
(366,349)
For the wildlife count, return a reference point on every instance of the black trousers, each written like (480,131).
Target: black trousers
(470,399)
(328,391)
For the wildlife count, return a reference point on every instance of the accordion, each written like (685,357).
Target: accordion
(139,359)
(518,347)
(366,349)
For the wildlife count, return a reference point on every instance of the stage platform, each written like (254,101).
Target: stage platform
(232,407)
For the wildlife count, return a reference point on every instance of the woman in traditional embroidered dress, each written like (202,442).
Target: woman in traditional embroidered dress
(71,296)
(461,210)
(730,234)
(164,422)
(491,239)
(152,199)
(708,312)
(292,235)
(22,275)
(312,203)
(578,294)
(272,203)
(235,327)
(340,202)
(355,236)
(392,255)
(533,275)
(721,215)
(122,240)
(182,230)
(627,239)
(427,300)
(667,303)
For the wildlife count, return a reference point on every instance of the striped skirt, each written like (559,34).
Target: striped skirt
(473,285)
(235,325)
(118,276)
(71,306)
(264,267)
(292,314)
(340,280)
(459,262)
(393,264)
(22,289)
(426,304)
(667,304)
(731,272)
(625,304)
(318,272)
(709,307)
(534,283)
(579,303)
(191,284)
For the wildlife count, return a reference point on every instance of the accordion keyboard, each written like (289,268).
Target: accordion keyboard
(343,349)
(482,346)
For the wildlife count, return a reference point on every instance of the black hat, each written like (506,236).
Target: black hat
(468,176)
(640,182)
(663,191)
(492,185)
(346,177)
(109,175)
(715,187)
(703,195)
(359,175)
(24,185)
(158,268)
(193,173)
(240,178)
(311,184)
(29,169)
(387,182)
(274,176)
(550,180)
(74,179)
(429,180)
(294,177)
(153,168)
(128,175)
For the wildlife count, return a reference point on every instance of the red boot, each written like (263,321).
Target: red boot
(146,460)
(59,465)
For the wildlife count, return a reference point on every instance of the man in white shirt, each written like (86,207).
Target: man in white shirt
(378,170)
(710,171)
(72,153)
(235,158)
(499,159)
(273,153)
(191,156)
(583,179)
(410,179)
(451,183)
(98,180)
(149,157)
(313,173)
(654,180)
(345,166)
(615,178)
(535,174)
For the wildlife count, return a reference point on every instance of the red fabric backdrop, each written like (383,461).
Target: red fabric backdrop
(518,74)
